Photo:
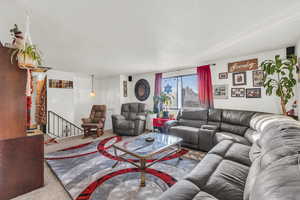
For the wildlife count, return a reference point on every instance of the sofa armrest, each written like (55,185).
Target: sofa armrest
(209,127)
(206,138)
(86,120)
(170,124)
(118,117)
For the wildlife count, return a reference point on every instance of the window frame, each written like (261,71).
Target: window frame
(179,77)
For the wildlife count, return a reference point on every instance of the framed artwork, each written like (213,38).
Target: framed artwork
(142,89)
(253,93)
(221,91)
(53,83)
(258,78)
(237,92)
(239,78)
(223,75)
(125,89)
(242,66)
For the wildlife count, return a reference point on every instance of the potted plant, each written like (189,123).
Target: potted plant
(166,100)
(27,54)
(279,78)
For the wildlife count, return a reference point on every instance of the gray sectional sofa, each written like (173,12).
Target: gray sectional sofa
(264,168)
(203,129)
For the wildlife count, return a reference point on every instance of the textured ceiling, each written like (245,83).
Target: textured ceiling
(111,37)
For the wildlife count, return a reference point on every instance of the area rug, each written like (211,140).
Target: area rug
(86,172)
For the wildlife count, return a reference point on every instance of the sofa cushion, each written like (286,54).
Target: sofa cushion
(182,190)
(126,124)
(187,133)
(192,123)
(215,117)
(237,117)
(220,136)
(204,196)
(223,179)
(233,128)
(195,114)
(233,151)
(228,181)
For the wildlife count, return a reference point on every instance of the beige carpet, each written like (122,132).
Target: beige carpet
(53,190)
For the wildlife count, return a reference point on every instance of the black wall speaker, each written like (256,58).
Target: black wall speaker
(129,78)
(290,51)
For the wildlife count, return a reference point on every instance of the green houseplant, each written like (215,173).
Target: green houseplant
(279,78)
(27,57)
(27,54)
(166,100)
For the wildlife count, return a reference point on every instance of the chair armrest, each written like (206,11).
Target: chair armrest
(118,117)
(140,117)
(86,120)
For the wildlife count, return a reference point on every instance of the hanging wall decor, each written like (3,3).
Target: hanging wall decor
(239,78)
(237,92)
(242,66)
(142,89)
(125,89)
(223,75)
(253,93)
(258,78)
(60,84)
(221,91)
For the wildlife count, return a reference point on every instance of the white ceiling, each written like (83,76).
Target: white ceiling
(111,37)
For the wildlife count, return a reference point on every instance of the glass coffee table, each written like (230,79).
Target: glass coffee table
(162,146)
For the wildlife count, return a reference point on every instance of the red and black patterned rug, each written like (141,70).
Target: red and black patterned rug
(86,172)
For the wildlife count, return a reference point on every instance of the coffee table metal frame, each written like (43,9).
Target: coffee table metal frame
(142,164)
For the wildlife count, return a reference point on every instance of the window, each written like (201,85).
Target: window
(184,89)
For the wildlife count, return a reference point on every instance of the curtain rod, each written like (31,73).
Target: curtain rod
(213,64)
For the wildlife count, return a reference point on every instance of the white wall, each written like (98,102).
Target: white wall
(265,104)
(150,77)
(298,88)
(74,104)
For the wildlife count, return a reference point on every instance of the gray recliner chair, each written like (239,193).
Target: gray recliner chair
(132,120)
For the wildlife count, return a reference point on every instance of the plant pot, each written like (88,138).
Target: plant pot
(166,114)
(25,62)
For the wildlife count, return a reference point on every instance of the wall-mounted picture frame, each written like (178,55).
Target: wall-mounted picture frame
(64,84)
(239,78)
(258,78)
(220,91)
(125,94)
(241,66)
(253,93)
(223,75)
(237,92)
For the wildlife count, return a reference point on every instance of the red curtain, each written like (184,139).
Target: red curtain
(205,86)
(158,80)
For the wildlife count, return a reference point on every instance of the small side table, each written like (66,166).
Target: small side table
(159,123)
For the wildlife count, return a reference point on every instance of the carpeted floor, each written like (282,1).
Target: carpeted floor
(53,190)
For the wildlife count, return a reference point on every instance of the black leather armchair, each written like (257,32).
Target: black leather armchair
(132,120)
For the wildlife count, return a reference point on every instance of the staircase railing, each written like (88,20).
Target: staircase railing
(61,127)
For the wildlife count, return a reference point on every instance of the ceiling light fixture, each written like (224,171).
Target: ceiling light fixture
(92,94)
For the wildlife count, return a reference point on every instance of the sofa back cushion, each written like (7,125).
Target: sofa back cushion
(215,117)
(193,118)
(236,121)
